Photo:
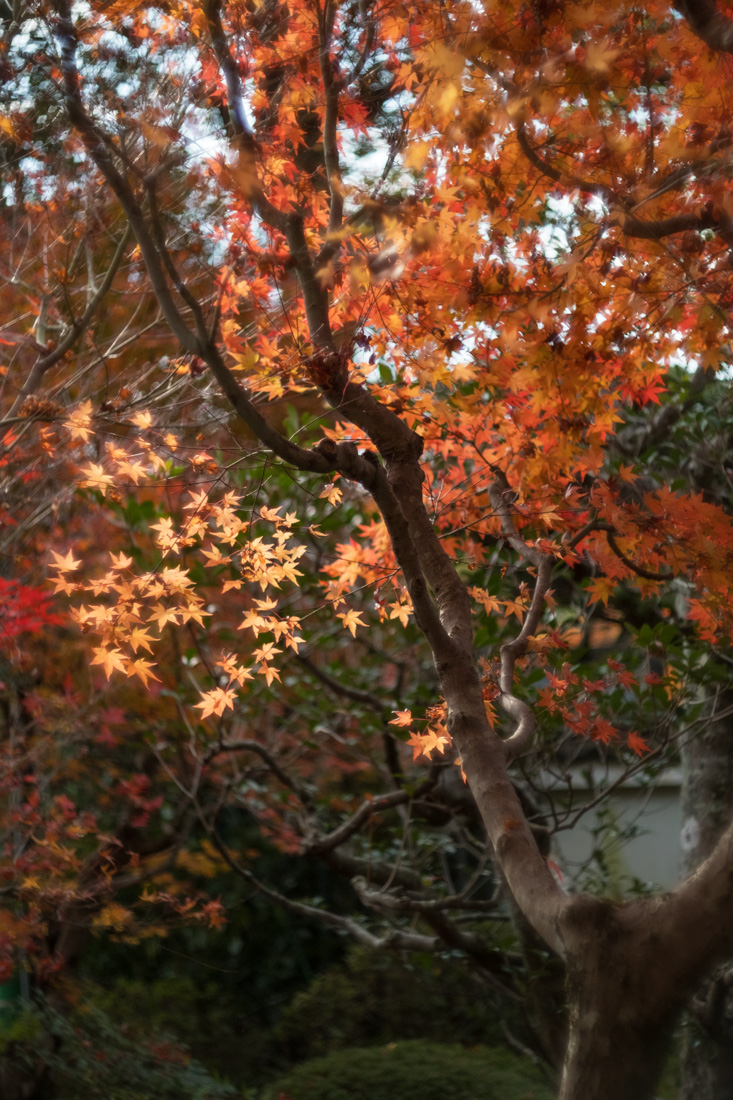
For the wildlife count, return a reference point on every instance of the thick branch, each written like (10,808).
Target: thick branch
(714,28)
(696,919)
(323,459)
(667,227)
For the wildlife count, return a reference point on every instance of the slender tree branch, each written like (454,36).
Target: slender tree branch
(609,531)
(370,30)
(260,750)
(170,267)
(648,574)
(501,495)
(553,173)
(346,692)
(401,902)
(473,946)
(97,145)
(331,89)
(395,938)
(246,174)
(334,839)
(45,362)
(228,66)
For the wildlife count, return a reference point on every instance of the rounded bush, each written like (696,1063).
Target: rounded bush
(415,1070)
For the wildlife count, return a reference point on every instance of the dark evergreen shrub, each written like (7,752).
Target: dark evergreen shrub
(415,1070)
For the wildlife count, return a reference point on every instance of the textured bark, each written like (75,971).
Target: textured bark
(707,808)
(627,984)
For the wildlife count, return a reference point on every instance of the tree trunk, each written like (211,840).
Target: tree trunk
(631,969)
(619,1030)
(707,807)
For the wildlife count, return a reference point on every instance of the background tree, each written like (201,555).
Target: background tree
(545,235)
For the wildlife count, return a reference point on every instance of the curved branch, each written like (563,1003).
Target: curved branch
(267,757)
(647,574)
(500,495)
(609,531)
(337,837)
(553,173)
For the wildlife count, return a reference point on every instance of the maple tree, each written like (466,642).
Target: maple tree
(482,256)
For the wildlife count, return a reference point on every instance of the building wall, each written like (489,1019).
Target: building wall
(629,842)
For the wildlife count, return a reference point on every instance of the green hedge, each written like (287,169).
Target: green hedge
(415,1070)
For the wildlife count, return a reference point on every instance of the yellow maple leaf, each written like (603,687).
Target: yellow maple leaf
(351,619)
(141,668)
(164,615)
(266,652)
(416,740)
(332,494)
(140,637)
(215,556)
(110,659)
(434,739)
(95,478)
(599,56)
(401,611)
(79,421)
(268,672)
(121,561)
(67,564)
(216,701)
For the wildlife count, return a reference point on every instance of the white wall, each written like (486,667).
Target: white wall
(652,855)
